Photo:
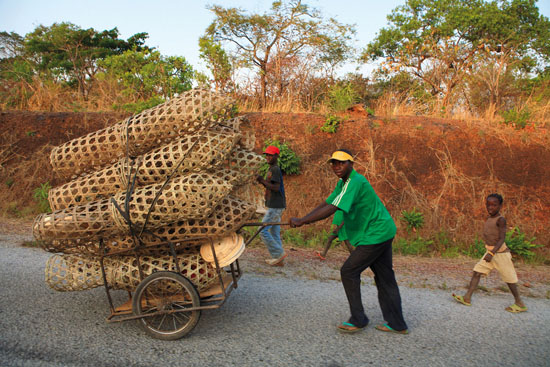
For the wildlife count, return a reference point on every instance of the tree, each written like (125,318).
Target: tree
(217,61)
(11,45)
(515,40)
(67,52)
(16,72)
(147,75)
(290,30)
(442,41)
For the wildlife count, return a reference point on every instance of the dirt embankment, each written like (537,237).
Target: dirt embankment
(444,168)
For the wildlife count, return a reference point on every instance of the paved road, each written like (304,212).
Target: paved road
(266,322)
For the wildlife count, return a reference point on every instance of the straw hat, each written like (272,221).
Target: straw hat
(228,249)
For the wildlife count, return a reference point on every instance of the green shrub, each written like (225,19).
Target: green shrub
(416,246)
(476,249)
(331,124)
(341,97)
(288,161)
(516,118)
(414,219)
(519,245)
(41,196)
(305,238)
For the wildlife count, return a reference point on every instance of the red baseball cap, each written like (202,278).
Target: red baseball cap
(271,150)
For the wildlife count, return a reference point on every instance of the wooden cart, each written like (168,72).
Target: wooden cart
(166,303)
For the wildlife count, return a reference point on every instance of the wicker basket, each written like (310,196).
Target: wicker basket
(242,125)
(202,151)
(228,216)
(246,162)
(76,273)
(251,193)
(184,197)
(189,113)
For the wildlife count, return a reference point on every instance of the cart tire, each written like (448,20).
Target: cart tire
(166,291)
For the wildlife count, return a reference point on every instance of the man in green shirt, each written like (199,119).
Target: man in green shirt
(370,229)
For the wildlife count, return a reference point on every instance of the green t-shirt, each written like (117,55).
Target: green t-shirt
(366,219)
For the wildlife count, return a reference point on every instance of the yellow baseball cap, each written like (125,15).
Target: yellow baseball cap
(340,156)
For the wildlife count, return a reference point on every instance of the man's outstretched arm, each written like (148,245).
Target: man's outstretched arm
(321,212)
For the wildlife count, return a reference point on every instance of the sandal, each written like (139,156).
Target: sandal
(460,299)
(386,328)
(515,309)
(346,327)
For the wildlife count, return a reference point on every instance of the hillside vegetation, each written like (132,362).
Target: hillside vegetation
(440,168)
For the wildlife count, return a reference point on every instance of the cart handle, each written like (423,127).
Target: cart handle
(262,226)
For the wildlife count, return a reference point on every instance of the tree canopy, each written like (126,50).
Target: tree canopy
(442,42)
(67,52)
(290,30)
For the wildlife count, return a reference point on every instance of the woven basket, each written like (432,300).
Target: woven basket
(76,273)
(228,216)
(242,125)
(189,113)
(85,221)
(184,197)
(246,162)
(202,151)
(251,193)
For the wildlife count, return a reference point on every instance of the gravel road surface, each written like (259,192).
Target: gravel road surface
(267,321)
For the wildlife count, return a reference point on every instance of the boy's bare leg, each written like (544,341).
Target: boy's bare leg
(473,286)
(514,289)
(348,245)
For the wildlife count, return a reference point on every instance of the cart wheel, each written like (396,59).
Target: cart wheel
(163,292)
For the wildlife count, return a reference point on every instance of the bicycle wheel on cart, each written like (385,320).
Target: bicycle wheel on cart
(162,299)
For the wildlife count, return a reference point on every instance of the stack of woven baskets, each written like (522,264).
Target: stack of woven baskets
(181,173)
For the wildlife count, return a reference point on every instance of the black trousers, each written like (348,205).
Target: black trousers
(379,258)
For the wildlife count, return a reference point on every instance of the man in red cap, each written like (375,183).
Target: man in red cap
(275,201)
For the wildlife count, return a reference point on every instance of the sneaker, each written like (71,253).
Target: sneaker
(277,261)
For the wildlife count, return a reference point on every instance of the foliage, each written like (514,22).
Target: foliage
(442,41)
(290,30)
(414,219)
(65,52)
(518,243)
(147,74)
(414,246)
(305,238)
(475,249)
(331,124)
(11,45)
(341,97)
(289,162)
(217,61)
(516,118)
(139,106)
(41,196)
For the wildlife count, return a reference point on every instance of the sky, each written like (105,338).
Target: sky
(174,27)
